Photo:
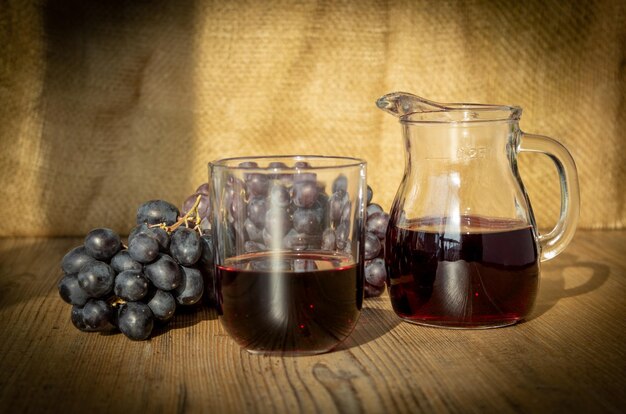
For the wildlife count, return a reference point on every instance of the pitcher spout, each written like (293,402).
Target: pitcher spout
(400,104)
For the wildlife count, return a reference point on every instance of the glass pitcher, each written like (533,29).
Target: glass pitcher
(462,246)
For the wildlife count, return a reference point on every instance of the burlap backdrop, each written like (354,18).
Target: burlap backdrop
(104,104)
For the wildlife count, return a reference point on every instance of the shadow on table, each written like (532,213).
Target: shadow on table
(186,316)
(374,322)
(552,285)
(27,272)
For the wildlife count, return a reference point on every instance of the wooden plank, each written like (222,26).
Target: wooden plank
(568,356)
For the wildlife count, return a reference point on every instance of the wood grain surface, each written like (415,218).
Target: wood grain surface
(568,357)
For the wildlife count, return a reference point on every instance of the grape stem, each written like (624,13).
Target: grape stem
(116,301)
(192,215)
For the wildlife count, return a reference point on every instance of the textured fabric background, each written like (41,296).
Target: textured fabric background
(104,104)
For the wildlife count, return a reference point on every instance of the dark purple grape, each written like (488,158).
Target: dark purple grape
(156,212)
(301,164)
(143,248)
(158,233)
(205,225)
(102,244)
(371,246)
(372,291)
(204,189)
(131,285)
(257,210)
(303,265)
(185,246)
(191,287)
(136,230)
(375,272)
(348,248)
(161,236)
(122,261)
(307,221)
(278,196)
(209,287)
(284,179)
(227,202)
(271,242)
(252,246)
(238,206)
(295,241)
(305,193)
(248,164)
(303,176)
(322,198)
(236,184)
(340,184)
(257,184)
(162,304)
(71,292)
(277,221)
(96,278)
(320,208)
(328,240)
(370,194)
(78,319)
(254,233)
(188,204)
(336,204)
(230,242)
(164,273)
(314,241)
(97,315)
(377,224)
(277,165)
(374,208)
(345,211)
(342,234)
(204,205)
(75,259)
(208,255)
(240,231)
(135,320)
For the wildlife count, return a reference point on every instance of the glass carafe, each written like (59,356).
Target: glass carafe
(462,247)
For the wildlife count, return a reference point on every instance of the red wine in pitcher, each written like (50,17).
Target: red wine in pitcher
(293,301)
(477,272)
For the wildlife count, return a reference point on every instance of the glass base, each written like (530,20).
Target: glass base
(463,325)
(287,353)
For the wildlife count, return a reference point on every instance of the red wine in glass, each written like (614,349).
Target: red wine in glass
(292,302)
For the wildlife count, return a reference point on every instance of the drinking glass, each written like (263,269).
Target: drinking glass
(288,232)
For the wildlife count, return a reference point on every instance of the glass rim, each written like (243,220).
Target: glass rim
(477,113)
(347,162)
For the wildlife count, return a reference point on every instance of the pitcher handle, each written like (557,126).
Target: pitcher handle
(559,237)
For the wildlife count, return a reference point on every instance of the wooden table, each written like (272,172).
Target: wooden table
(569,356)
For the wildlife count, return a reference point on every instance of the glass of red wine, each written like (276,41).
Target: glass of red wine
(288,233)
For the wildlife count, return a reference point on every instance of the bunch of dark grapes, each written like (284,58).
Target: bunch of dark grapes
(169,259)
(167,263)
(376,228)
